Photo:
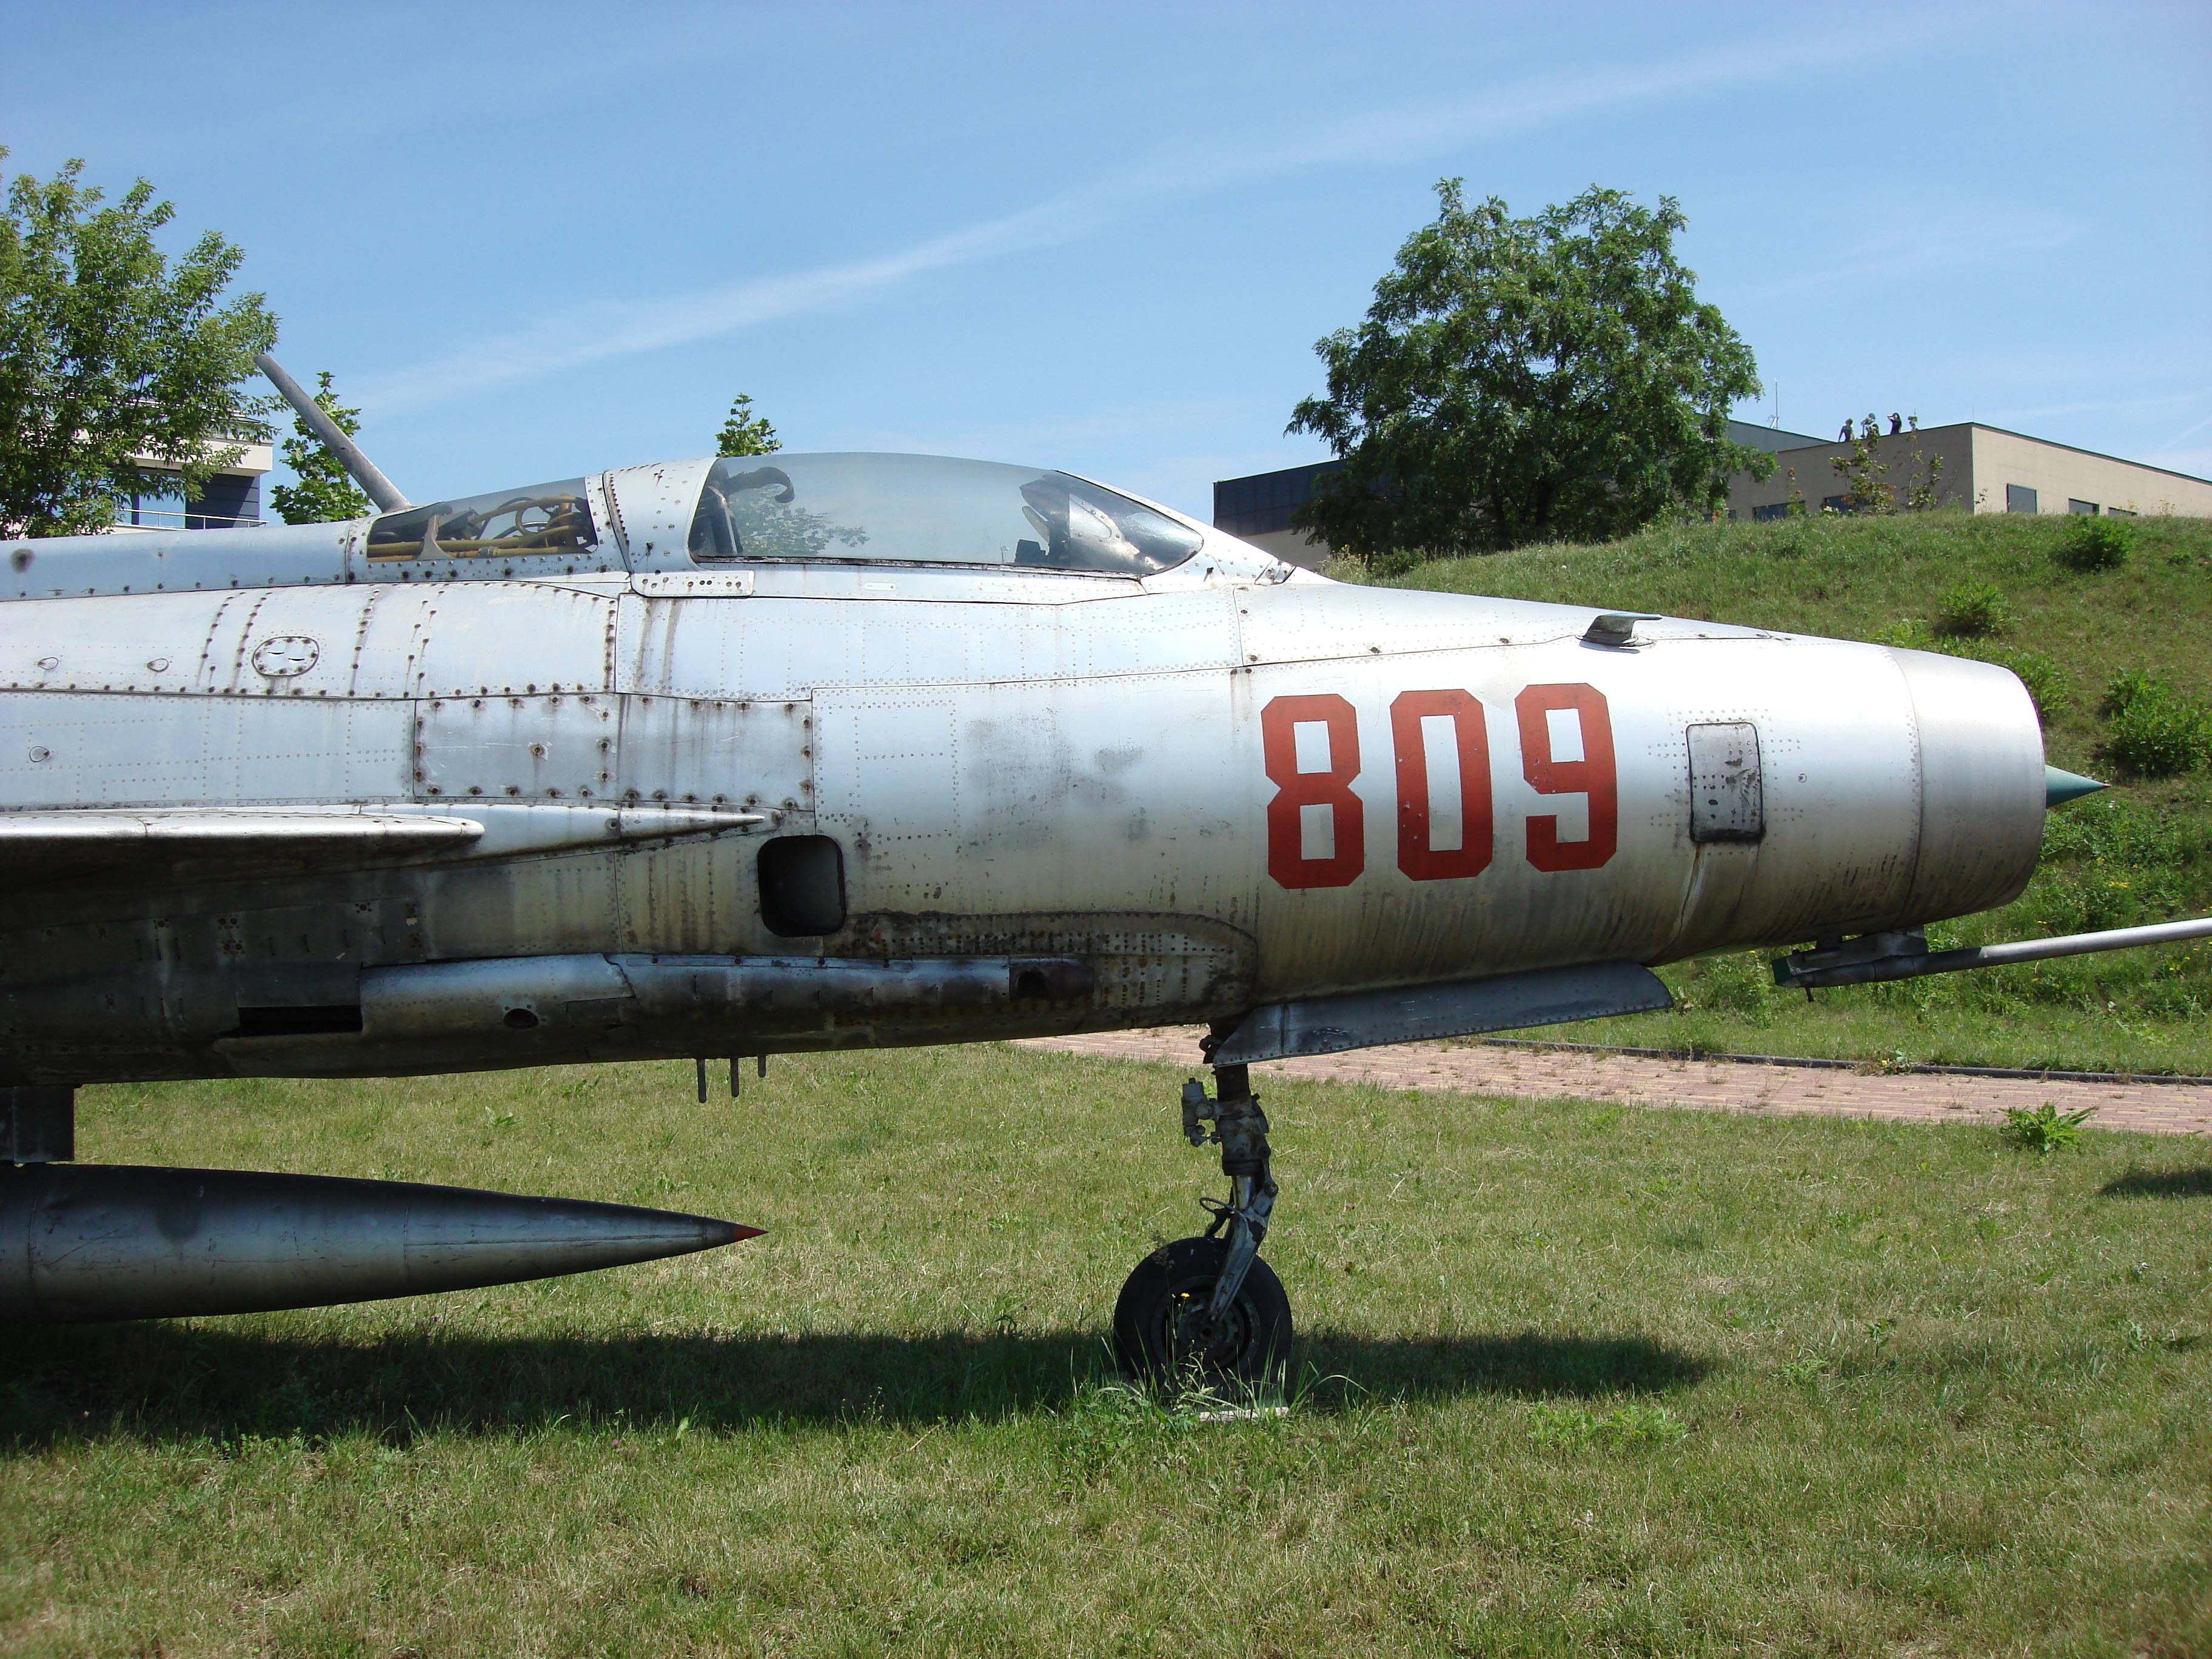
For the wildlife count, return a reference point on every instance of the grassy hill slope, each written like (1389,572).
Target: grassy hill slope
(2141,852)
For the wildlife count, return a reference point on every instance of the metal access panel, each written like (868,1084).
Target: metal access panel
(1726,800)
(755,753)
(93,750)
(541,748)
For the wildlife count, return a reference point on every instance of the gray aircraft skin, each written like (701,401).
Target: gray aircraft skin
(732,758)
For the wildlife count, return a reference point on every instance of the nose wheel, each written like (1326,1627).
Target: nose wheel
(1207,1308)
(1164,1327)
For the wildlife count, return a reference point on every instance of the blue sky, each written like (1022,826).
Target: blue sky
(536,240)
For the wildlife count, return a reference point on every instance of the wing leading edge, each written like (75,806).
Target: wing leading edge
(144,845)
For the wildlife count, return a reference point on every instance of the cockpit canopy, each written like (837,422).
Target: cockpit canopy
(925,509)
(551,518)
(900,509)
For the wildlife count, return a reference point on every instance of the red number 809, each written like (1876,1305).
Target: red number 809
(1316,826)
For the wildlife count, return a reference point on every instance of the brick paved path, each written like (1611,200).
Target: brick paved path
(1718,1085)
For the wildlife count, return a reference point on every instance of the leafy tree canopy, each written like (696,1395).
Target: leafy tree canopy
(745,433)
(108,353)
(1522,381)
(326,491)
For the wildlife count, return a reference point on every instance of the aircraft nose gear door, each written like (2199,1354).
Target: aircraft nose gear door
(1207,1309)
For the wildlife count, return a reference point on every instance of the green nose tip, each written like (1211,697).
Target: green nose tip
(2059,788)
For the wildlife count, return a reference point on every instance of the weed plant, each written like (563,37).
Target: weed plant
(1972,610)
(2046,1129)
(2098,543)
(2156,732)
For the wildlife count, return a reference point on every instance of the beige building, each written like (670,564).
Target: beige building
(232,497)
(1984,469)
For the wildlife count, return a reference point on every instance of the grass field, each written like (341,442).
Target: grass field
(1571,1379)
(2142,852)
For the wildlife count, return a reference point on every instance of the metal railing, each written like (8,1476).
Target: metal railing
(130,517)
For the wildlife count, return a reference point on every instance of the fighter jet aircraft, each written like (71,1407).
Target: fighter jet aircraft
(722,759)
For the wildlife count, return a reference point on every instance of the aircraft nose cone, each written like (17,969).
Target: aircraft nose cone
(1982,785)
(2059,788)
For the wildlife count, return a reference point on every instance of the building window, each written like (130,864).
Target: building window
(161,502)
(2090,507)
(2019,498)
(2119,513)
(158,503)
(1772,510)
(1835,503)
(225,501)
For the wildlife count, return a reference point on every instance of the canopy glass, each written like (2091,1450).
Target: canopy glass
(549,518)
(925,509)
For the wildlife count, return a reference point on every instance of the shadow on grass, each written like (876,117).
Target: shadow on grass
(2159,1183)
(1528,1365)
(169,1382)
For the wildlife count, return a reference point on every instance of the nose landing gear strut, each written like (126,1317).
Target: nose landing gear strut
(1209,1304)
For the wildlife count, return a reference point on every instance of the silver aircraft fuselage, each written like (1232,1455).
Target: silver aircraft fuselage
(288,801)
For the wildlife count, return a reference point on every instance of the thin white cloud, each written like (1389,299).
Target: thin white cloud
(2173,444)
(622,328)
(1951,237)
(618,329)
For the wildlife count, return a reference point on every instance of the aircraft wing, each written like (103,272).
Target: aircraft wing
(142,846)
(133,846)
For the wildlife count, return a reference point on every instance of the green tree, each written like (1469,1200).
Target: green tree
(325,490)
(1521,380)
(745,433)
(1867,471)
(110,356)
(1924,491)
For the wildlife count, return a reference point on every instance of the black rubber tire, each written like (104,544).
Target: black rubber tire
(1171,1287)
